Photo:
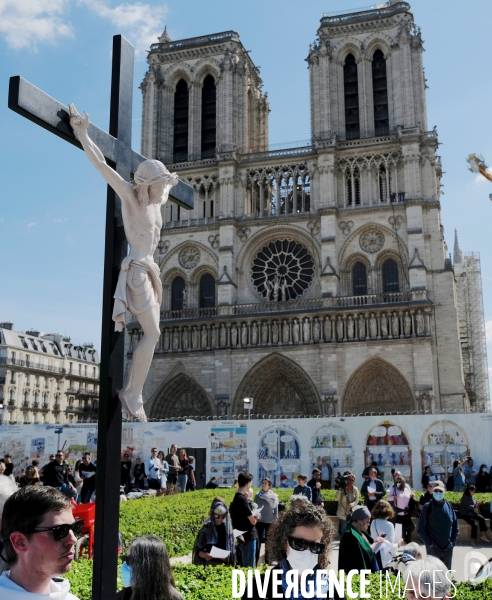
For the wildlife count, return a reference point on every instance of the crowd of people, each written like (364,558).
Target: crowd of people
(37,527)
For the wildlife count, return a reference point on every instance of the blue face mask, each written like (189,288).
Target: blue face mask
(438,496)
(126,574)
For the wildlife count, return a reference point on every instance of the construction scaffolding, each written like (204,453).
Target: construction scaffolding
(468,273)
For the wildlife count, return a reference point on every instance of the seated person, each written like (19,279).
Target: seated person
(217,531)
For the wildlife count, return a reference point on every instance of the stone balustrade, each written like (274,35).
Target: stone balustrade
(317,327)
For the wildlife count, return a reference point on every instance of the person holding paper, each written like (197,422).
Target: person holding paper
(356,545)
(382,526)
(372,489)
(267,502)
(215,538)
(400,496)
(243,519)
(87,472)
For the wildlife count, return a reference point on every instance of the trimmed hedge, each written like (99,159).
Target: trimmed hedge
(199,583)
(178,518)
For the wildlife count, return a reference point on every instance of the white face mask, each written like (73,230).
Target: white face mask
(302,560)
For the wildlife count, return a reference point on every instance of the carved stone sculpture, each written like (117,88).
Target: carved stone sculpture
(254,334)
(285,332)
(339,328)
(407,324)
(204,336)
(166,339)
(264,332)
(327,328)
(306,333)
(186,338)
(275,332)
(350,328)
(194,337)
(316,330)
(295,331)
(176,338)
(185,298)
(362,327)
(244,335)
(283,288)
(139,287)
(213,337)
(395,325)
(223,335)
(419,321)
(373,326)
(384,325)
(234,335)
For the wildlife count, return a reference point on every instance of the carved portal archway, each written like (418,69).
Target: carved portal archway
(377,386)
(279,387)
(181,397)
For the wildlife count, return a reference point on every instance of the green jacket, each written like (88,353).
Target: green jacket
(355,551)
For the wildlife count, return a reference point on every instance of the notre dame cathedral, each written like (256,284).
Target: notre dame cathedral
(314,280)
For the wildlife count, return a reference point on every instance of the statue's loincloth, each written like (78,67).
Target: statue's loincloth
(139,289)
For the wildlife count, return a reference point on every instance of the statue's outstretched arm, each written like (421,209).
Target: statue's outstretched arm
(80,125)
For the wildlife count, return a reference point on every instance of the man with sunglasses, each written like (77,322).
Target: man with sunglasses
(37,540)
(87,472)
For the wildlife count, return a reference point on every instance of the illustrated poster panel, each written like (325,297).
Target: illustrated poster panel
(331,452)
(279,457)
(443,443)
(388,446)
(228,454)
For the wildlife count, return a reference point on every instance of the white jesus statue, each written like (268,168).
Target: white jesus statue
(139,288)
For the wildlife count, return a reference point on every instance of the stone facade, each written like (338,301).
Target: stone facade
(45,378)
(331,292)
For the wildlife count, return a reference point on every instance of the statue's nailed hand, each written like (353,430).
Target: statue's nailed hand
(79,124)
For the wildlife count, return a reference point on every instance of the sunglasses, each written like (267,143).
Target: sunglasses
(300,545)
(60,532)
(219,516)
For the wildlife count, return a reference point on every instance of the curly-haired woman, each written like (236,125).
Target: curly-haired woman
(300,539)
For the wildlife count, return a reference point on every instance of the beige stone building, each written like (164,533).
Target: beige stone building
(313,279)
(45,378)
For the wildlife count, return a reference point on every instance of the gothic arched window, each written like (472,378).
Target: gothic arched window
(351,93)
(380,94)
(390,277)
(207,291)
(177,289)
(353,188)
(181,109)
(359,279)
(384,184)
(209,117)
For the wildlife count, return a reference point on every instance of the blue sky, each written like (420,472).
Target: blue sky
(52,201)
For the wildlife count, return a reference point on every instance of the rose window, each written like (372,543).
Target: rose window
(283,270)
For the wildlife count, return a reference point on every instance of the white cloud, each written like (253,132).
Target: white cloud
(141,23)
(25,23)
(31,224)
(60,220)
(480,179)
(488,331)
(2,220)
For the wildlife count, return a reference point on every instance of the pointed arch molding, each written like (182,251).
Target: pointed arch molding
(396,244)
(279,386)
(173,254)
(377,386)
(179,396)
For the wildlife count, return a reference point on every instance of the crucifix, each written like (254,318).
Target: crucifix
(114,150)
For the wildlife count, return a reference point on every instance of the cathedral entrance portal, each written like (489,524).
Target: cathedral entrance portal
(279,387)
(180,397)
(377,386)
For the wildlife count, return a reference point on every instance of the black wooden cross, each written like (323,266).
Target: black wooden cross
(35,105)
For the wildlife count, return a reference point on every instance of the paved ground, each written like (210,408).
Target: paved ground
(465,558)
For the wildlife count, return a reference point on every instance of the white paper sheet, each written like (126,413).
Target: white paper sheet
(88,473)
(237,533)
(257,512)
(398,532)
(219,553)
(371,490)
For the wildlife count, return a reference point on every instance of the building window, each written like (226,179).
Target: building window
(359,279)
(353,188)
(351,93)
(177,289)
(380,94)
(384,184)
(207,291)
(209,117)
(181,110)
(390,277)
